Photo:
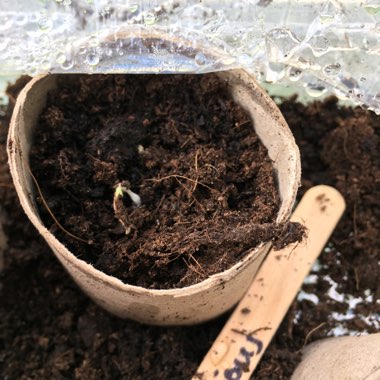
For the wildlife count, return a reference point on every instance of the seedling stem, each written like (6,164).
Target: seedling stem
(119,207)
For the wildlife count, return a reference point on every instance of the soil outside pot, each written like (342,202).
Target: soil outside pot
(192,304)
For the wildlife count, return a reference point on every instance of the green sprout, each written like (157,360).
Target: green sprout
(121,214)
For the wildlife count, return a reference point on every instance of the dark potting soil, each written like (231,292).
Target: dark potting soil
(50,330)
(206,183)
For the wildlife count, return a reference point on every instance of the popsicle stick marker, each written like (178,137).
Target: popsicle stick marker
(246,335)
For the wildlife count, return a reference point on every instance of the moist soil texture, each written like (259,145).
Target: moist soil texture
(50,330)
(206,184)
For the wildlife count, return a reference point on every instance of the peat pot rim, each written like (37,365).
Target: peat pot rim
(241,82)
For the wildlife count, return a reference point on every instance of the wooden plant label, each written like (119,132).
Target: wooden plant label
(245,337)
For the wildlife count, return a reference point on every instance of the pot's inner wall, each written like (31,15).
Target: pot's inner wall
(277,139)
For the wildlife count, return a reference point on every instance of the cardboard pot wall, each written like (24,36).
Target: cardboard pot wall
(188,305)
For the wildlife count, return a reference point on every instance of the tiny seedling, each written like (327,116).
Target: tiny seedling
(121,214)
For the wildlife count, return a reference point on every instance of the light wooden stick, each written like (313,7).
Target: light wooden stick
(245,337)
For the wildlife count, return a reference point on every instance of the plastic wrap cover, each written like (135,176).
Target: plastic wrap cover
(315,45)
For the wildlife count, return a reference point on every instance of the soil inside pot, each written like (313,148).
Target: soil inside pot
(205,180)
(50,330)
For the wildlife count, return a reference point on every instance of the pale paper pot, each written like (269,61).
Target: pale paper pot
(184,306)
(341,358)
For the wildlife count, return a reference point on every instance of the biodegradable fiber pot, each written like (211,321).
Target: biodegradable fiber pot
(188,305)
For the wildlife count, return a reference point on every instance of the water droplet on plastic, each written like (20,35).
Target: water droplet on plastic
(149,18)
(82,50)
(44,39)
(108,52)
(377,27)
(31,59)
(32,71)
(67,65)
(94,41)
(319,44)
(105,11)
(363,79)
(275,72)
(200,59)
(45,24)
(278,33)
(259,74)
(66,2)
(92,59)
(133,8)
(332,70)
(377,97)
(60,58)
(294,74)
(350,83)
(277,68)
(303,63)
(33,17)
(17,61)
(5,22)
(59,1)
(21,19)
(280,44)
(315,90)
(45,65)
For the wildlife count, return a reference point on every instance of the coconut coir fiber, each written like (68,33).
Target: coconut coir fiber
(206,183)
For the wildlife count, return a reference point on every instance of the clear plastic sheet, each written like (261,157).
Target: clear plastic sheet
(318,46)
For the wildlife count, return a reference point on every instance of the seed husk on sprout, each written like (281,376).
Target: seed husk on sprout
(121,213)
